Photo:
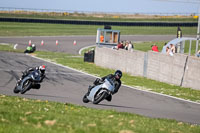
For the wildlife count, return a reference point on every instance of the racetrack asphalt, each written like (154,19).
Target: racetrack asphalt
(66,43)
(68,86)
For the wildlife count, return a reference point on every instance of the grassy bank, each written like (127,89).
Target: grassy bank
(21,115)
(39,29)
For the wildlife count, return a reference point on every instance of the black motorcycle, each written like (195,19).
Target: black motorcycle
(32,80)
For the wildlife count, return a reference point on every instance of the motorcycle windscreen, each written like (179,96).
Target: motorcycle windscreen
(36,76)
(107,84)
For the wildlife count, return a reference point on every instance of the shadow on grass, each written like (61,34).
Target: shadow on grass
(50,96)
(120,106)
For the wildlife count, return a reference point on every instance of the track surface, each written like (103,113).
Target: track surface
(68,86)
(65,43)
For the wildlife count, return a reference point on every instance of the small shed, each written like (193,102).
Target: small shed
(107,37)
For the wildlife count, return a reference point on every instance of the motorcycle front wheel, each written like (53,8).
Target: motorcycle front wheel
(85,100)
(99,97)
(16,90)
(26,85)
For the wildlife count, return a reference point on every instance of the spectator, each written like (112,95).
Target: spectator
(198,54)
(130,46)
(173,49)
(168,51)
(154,48)
(120,45)
(101,38)
(126,45)
(163,49)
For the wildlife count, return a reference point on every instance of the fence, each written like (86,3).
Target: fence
(181,70)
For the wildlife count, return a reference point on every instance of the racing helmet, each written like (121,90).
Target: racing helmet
(42,69)
(118,74)
(33,45)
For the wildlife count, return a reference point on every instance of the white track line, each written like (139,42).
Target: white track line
(63,66)
(8,70)
(122,84)
(79,52)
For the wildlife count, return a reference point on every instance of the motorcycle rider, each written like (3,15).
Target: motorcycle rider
(31,69)
(114,77)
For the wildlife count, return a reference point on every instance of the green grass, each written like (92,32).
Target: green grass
(21,115)
(40,29)
(146,46)
(9,48)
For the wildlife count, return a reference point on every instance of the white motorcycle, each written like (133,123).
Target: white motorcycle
(99,92)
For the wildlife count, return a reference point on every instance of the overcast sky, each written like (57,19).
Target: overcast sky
(123,6)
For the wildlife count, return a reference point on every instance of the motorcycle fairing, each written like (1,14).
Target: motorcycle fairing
(106,85)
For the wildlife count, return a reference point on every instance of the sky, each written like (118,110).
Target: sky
(110,6)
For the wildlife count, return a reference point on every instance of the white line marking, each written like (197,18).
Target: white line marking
(79,52)
(15,46)
(8,70)
(156,93)
(63,66)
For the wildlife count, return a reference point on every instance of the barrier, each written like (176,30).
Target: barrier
(130,62)
(84,22)
(89,56)
(192,73)
(165,68)
(179,69)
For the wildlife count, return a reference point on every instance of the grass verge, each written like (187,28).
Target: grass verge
(40,29)
(26,115)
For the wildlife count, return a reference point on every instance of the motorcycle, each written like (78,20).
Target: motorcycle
(99,92)
(30,81)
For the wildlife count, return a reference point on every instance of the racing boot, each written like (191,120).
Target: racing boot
(109,98)
(19,81)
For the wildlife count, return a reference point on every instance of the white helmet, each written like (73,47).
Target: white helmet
(42,68)
(33,45)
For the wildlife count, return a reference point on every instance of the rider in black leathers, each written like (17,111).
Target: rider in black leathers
(116,80)
(29,70)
